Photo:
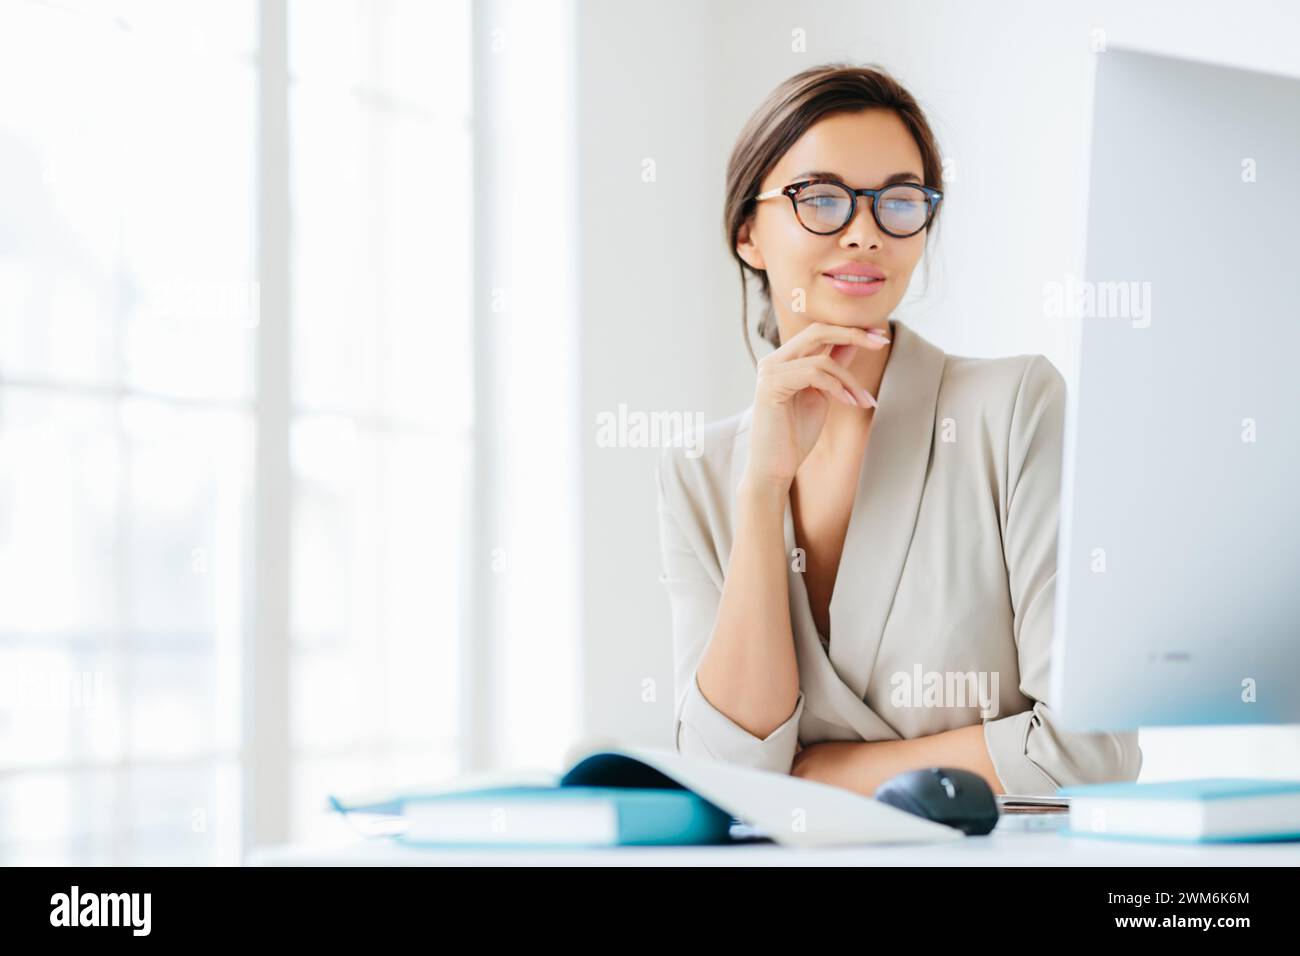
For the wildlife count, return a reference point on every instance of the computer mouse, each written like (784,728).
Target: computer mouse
(955,798)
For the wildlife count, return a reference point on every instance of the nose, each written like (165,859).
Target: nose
(862,231)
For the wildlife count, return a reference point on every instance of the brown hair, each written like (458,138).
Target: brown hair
(777,124)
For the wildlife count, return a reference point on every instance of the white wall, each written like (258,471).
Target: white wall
(1007,89)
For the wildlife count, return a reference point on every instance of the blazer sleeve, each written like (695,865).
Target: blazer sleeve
(1031,753)
(694,591)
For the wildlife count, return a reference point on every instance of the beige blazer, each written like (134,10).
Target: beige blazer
(942,611)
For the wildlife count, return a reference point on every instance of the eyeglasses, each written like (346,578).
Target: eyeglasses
(825,206)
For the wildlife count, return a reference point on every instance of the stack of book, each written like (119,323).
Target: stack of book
(644,796)
(1187,811)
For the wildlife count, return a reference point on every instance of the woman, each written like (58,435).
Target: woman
(862,564)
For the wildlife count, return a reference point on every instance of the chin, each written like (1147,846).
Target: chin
(861,320)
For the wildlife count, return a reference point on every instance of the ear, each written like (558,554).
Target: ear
(747,249)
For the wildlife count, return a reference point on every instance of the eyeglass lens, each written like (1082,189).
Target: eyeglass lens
(826,207)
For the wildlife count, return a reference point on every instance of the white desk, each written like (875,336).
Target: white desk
(1000,848)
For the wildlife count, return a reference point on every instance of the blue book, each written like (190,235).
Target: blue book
(628,796)
(607,800)
(1218,809)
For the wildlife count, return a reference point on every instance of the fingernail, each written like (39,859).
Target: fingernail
(878,335)
(868,400)
(849,395)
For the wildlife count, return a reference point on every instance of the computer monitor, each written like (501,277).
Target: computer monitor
(1178,565)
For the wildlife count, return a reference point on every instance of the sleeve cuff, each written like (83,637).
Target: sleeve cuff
(704,731)
(1007,741)
(1032,756)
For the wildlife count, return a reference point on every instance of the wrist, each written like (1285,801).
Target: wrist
(763,493)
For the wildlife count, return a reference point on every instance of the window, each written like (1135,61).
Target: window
(132,325)
(381,423)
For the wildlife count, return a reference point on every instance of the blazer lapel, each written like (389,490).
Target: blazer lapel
(885,508)
(826,695)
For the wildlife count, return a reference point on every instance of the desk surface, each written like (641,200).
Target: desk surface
(1000,848)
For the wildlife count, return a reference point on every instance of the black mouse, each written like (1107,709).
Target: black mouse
(955,798)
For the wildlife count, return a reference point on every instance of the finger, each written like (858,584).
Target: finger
(796,377)
(792,379)
(860,395)
(816,336)
(843,354)
(821,336)
(846,377)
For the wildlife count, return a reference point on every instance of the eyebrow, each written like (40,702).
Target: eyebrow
(823,174)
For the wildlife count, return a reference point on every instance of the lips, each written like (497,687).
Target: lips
(855,270)
(856,278)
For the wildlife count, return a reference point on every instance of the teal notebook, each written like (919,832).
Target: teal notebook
(607,800)
(1217,809)
(622,795)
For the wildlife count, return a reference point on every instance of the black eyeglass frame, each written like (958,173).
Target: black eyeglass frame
(932,195)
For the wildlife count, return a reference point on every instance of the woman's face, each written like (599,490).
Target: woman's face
(862,150)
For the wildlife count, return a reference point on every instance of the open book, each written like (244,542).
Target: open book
(623,794)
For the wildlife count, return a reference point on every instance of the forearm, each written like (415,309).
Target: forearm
(749,670)
(862,767)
